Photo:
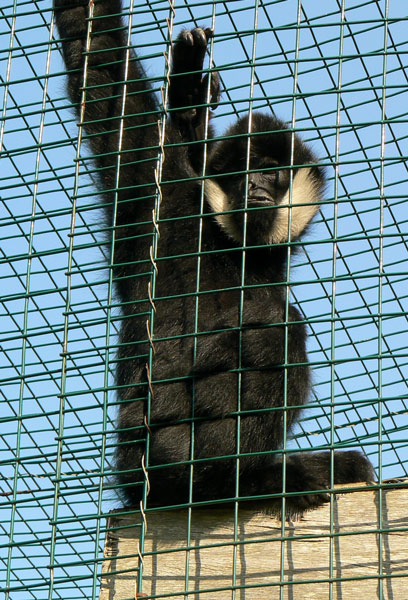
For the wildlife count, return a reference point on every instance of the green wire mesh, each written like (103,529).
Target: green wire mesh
(339,73)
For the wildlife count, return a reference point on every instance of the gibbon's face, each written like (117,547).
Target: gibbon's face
(255,197)
(258,205)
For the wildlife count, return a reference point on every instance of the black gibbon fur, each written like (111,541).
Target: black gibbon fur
(230,376)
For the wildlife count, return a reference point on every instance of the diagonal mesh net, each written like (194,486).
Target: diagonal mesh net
(338,74)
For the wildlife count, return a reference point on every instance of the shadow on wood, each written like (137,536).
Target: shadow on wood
(364,552)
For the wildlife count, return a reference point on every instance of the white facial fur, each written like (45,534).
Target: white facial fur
(304,203)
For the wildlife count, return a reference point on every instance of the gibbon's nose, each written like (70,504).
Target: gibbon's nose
(255,181)
(251,183)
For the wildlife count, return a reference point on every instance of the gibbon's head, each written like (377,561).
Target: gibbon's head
(272,193)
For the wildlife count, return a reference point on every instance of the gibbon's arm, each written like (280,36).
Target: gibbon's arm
(101,68)
(120,115)
(117,94)
(189,91)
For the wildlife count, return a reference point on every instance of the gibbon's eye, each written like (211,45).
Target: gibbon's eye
(272,177)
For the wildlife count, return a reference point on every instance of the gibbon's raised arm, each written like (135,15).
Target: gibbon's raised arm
(104,79)
(229,369)
(120,116)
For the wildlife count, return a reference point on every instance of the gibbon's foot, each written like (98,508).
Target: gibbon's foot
(310,484)
(312,493)
(308,476)
(352,466)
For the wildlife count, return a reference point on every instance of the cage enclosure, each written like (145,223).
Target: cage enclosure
(338,77)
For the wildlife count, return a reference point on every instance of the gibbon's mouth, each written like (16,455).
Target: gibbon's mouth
(260,201)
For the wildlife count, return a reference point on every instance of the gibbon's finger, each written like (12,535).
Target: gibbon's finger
(199,36)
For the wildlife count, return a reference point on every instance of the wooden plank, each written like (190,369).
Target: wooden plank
(367,546)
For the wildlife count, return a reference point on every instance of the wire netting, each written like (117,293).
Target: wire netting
(339,73)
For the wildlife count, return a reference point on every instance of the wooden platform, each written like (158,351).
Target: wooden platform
(260,558)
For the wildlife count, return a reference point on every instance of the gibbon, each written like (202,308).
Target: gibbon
(229,371)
